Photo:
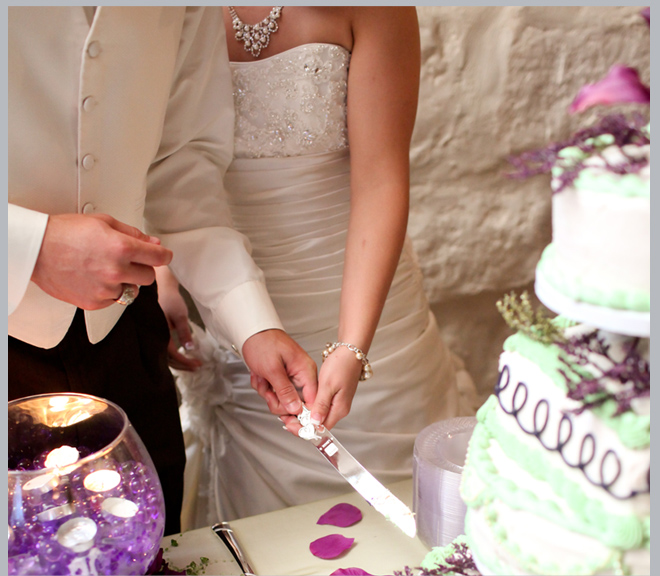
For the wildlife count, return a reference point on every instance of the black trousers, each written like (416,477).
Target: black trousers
(129,368)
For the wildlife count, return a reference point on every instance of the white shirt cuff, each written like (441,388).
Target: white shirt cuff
(245,311)
(26,229)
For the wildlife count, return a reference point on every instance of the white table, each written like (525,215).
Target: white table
(277,543)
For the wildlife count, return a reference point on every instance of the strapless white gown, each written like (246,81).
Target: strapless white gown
(289,194)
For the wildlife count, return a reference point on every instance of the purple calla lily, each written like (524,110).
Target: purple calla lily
(622,84)
(330,546)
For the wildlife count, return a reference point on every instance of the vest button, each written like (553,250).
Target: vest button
(94,49)
(88,162)
(89,103)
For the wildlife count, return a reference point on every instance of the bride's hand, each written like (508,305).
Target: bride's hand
(338,381)
(176,313)
(280,371)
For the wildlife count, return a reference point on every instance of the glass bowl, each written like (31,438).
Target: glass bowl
(83,494)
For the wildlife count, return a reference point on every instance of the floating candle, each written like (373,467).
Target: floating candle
(42,483)
(77,534)
(102,480)
(62,456)
(56,513)
(120,507)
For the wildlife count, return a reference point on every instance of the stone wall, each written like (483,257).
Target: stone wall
(497,81)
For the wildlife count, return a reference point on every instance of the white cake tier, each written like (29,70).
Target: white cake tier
(601,235)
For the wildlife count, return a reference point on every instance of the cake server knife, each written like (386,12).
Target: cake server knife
(357,475)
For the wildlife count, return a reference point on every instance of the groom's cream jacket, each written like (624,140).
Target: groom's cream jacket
(130,116)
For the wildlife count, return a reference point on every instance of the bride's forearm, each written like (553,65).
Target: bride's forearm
(375,239)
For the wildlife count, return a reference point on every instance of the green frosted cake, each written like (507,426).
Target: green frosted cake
(557,476)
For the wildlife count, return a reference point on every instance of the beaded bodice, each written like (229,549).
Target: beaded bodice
(291,104)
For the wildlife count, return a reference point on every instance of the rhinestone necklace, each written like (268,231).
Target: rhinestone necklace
(255,37)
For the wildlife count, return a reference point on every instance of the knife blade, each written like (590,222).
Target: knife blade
(357,475)
(223,531)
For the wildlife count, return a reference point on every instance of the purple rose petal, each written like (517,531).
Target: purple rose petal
(330,546)
(341,515)
(622,84)
(160,566)
(350,572)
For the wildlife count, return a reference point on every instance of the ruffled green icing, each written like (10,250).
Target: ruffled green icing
(482,485)
(582,289)
(613,563)
(627,185)
(587,515)
(634,430)
(439,554)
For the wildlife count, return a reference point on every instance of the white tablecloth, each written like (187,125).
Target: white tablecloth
(277,543)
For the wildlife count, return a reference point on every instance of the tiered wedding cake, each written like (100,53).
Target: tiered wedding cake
(557,476)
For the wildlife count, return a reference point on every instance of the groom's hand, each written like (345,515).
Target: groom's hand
(86,259)
(281,371)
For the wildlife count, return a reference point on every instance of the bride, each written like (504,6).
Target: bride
(325,107)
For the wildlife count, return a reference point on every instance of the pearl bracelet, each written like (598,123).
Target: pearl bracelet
(366,373)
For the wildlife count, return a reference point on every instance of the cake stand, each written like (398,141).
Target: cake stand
(627,322)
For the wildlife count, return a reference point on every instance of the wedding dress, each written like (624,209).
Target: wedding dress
(289,193)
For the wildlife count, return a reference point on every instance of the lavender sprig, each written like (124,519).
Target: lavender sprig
(633,372)
(520,316)
(460,563)
(622,129)
(407,571)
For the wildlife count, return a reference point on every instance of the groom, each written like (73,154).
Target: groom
(121,119)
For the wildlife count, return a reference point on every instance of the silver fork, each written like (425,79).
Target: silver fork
(226,534)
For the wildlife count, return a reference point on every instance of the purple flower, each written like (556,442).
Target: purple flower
(633,373)
(624,129)
(330,546)
(350,572)
(646,14)
(341,515)
(622,84)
